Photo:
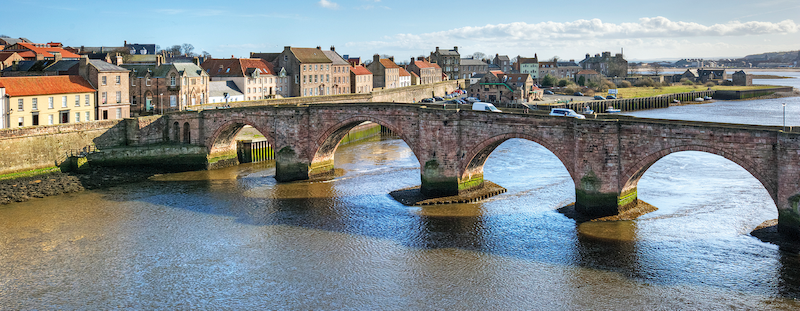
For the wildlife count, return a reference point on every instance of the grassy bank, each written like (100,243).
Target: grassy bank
(634,92)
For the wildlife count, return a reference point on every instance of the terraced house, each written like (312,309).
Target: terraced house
(360,79)
(448,60)
(385,72)
(428,72)
(159,87)
(340,72)
(307,70)
(254,77)
(45,100)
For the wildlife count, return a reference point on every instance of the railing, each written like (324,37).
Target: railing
(254,151)
(82,152)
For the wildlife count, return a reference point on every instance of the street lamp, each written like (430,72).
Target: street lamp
(161,102)
(784,117)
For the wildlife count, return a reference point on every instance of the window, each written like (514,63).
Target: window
(315,67)
(20,104)
(88,101)
(147,81)
(118,80)
(133,81)
(119,96)
(88,115)
(172,80)
(119,113)
(103,79)
(21,121)
(63,102)
(103,98)
(34,104)
(173,101)
(327,78)
(315,78)
(77,117)
(77,100)
(50,119)
(50,103)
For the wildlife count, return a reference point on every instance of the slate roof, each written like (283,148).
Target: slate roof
(219,88)
(149,48)
(140,71)
(448,52)
(236,67)
(309,55)
(335,58)
(472,62)
(360,70)
(141,59)
(527,60)
(567,64)
(587,72)
(503,57)
(269,57)
(45,85)
(103,66)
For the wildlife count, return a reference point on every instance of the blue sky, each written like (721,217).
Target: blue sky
(646,30)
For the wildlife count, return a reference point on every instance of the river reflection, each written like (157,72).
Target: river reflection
(236,239)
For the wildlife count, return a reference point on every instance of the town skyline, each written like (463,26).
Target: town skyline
(361,28)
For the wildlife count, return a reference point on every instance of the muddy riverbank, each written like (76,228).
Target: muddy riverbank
(50,184)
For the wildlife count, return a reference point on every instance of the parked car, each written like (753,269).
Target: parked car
(611,97)
(471,99)
(485,107)
(438,99)
(427,100)
(598,97)
(461,101)
(548,92)
(563,112)
(577,94)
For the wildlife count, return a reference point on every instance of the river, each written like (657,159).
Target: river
(236,239)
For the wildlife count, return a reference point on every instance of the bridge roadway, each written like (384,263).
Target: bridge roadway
(605,156)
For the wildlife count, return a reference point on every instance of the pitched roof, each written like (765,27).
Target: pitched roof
(527,60)
(103,66)
(48,51)
(388,63)
(496,72)
(141,70)
(335,58)
(219,88)
(190,69)
(503,57)
(6,55)
(138,58)
(236,67)
(587,72)
(472,62)
(424,64)
(270,57)
(404,73)
(448,52)
(309,55)
(360,70)
(45,85)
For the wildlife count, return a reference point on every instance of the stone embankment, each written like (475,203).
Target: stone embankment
(25,188)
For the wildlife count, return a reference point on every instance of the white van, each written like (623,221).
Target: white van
(563,112)
(484,107)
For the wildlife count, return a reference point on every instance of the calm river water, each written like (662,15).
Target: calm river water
(236,239)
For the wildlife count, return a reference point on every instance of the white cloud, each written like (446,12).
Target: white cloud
(328,4)
(543,33)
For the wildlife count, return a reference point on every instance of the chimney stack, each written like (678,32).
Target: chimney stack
(56,56)
(333,48)
(83,67)
(196,60)
(159,59)
(455,48)
(119,60)
(391,58)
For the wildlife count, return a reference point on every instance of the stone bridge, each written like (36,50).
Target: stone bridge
(605,157)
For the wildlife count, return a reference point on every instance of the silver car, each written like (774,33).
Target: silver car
(563,112)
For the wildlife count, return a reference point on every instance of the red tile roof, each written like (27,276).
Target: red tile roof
(404,73)
(360,70)
(388,63)
(48,51)
(424,64)
(496,72)
(236,67)
(45,85)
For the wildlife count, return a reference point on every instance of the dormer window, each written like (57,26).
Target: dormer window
(133,52)
(227,70)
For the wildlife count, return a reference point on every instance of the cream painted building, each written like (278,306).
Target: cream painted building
(46,100)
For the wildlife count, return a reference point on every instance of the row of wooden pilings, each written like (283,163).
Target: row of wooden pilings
(258,151)
(640,103)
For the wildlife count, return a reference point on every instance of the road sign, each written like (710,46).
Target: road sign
(612,91)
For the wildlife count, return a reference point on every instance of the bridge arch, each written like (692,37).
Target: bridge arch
(472,162)
(222,139)
(327,143)
(634,173)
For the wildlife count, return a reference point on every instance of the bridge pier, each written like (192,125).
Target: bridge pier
(289,166)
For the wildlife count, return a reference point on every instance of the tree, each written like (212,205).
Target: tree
(478,55)
(633,69)
(582,80)
(188,49)
(206,54)
(548,80)
(174,50)
(563,82)
(656,69)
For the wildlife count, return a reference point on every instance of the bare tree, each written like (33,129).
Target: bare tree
(188,49)
(478,55)
(633,68)
(174,50)
(206,54)
(656,68)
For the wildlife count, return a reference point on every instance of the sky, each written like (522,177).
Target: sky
(642,30)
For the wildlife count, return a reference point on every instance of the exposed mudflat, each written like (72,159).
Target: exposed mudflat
(413,196)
